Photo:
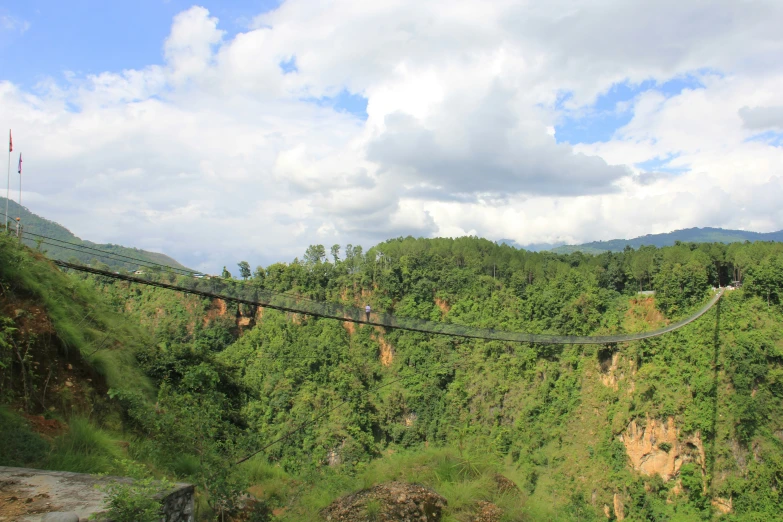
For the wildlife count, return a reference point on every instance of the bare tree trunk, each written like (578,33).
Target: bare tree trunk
(24,375)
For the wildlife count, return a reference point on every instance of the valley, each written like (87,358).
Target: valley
(277,415)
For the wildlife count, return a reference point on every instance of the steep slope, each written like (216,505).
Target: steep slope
(62,350)
(44,227)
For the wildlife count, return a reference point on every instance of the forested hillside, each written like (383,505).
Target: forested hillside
(60,242)
(687,426)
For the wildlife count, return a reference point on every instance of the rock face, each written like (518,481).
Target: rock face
(609,367)
(619,509)
(393,501)
(656,448)
(723,505)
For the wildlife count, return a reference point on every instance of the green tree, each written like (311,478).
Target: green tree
(766,279)
(336,253)
(314,254)
(225,274)
(244,269)
(642,265)
(259,275)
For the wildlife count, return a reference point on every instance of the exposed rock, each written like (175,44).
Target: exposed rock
(609,370)
(619,509)
(656,448)
(29,495)
(61,517)
(488,512)
(443,305)
(607,511)
(335,456)
(387,351)
(504,484)
(723,505)
(350,326)
(388,502)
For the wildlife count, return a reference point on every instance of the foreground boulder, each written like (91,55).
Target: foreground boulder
(393,501)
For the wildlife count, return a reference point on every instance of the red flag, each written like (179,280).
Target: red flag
(10,142)
(20,163)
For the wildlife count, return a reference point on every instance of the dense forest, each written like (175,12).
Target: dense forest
(687,426)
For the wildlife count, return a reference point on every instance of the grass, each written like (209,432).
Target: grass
(464,480)
(84,449)
(19,445)
(105,339)
(372,510)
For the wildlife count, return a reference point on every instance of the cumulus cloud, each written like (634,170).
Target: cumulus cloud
(762,118)
(217,154)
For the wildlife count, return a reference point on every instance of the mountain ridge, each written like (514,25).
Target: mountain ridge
(36,224)
(686,235)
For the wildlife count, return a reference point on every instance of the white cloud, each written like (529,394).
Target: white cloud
(215,155)
(762,118)
(14,24)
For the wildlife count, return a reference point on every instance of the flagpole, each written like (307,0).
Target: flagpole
(19,222)
(8,188)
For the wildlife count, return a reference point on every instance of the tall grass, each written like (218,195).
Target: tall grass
(463,479)
(83,322)
(84,449)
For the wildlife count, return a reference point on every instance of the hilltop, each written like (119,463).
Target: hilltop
(36,224)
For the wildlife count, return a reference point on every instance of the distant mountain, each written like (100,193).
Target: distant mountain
(532,247)
(688,235)
(43,227)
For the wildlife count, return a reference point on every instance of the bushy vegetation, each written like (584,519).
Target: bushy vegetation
(448,412)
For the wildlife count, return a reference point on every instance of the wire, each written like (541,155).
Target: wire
(111,253)
(146,263)
(107,256)
(507,336)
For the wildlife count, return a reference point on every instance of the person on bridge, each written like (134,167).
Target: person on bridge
(367,312)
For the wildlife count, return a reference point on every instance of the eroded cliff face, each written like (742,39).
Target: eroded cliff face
(655,447)
(386,351)
(613,369)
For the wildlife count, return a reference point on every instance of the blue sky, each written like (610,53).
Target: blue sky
(50,37)
(608,115)
(301,175)
(85,37)
(93,36)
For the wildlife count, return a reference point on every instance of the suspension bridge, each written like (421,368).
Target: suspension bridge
(188,281)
